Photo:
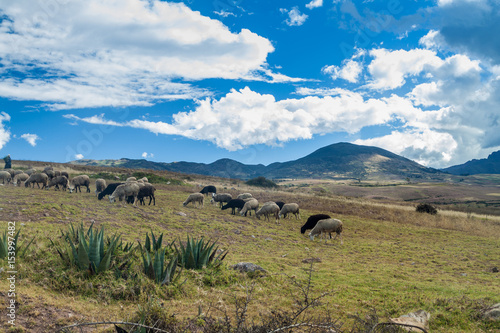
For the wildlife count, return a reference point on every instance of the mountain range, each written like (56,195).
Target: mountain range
(490,165)
(336,161)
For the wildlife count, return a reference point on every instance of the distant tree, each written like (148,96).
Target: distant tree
(261,182)
(426,208)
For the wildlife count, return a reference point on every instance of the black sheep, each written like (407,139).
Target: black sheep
(280,204)
(145,191)
(208,189)
(312,221)
(233,204)
(108,190)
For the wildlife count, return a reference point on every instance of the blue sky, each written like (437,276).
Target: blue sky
(255,81)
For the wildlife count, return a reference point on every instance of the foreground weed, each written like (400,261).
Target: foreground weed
(153,257)
(198,254)
(90,253)
(9,244)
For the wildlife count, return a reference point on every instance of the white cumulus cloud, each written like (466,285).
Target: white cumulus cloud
(350,71)
(77,54)
(146,155)
(30,138)
(314,4)
(4,131)
(295,17)
(79,156)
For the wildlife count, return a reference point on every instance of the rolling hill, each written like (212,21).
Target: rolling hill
(336,161)
(490,165)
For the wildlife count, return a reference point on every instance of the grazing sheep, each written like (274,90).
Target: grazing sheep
(49,173)
(147,191)
(131,179)
(269,208)
(194,198)
(57,173)
(244,196)
(108,190)
(20,177)
(208,189)
(100,185)
(59,180)
(144,179)
(65,174)
(220,198)
(233,204)
(280,204)
(5,176)
(11,171)
(30,171)
(249,205)
(37,178)
(312,220)
(79,181)
(16,172)
(290,208)
(130,189)
(327,226)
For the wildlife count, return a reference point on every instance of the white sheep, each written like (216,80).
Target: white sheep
(220,198)
(37,178)
(194,198)
(327,226)
(131,179)
(251,204)
(5,176)
(290,208)
(144,179)
(244,196)
(100,185)
(124,191)
(269,208)
(76,182)
(20,177)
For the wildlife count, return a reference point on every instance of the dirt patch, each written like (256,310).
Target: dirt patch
(35,315)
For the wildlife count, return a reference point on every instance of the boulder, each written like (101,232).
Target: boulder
(492,313)
(248,267)
(418,318)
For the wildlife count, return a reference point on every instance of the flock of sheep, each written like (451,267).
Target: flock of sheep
(321,224)
(135,191)
(132,190)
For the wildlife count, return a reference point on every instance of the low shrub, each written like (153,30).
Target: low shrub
(426,208)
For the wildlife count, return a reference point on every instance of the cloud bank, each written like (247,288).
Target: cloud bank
(80,54)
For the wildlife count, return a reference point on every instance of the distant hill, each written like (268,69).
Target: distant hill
(340,160)
(490,165)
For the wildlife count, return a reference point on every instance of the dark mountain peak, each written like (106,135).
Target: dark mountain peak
(490,165)
(339,160)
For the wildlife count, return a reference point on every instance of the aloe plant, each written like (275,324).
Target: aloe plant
(90,253)
(20,249)
(198,254)
(153,257)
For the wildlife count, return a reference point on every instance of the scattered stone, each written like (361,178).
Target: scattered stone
(268,238)
(494,270)
(310,260)
(492,313)
(237,231)
(418,318)
(46,214)
(181,214)
(248,267)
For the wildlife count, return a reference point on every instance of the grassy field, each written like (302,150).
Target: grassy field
(393,261)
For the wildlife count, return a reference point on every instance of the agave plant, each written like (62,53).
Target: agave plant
(20,249)
(198,254)
(153,257)
(90,254)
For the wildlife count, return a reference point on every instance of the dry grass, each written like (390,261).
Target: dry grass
(393,259)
